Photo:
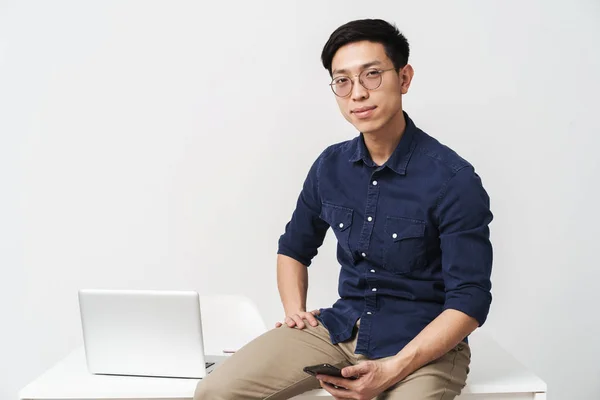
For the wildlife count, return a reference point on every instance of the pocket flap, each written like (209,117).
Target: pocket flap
(404,228)
(340,218)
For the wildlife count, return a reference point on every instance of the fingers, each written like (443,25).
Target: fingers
(298,319)
(290,322)
(334,381)
(311,319)
(294,320)
(338,392)
(348,372)
(354,372)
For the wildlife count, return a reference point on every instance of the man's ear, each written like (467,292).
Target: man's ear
(405,75)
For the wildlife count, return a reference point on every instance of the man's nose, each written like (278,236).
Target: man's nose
(358,90)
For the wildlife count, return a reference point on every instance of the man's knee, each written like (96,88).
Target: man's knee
(208,389)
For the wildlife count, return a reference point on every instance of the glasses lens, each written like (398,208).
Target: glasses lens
(342,86)
(370,78)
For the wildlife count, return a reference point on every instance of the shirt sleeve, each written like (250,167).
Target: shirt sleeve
(464,215)
(305,232)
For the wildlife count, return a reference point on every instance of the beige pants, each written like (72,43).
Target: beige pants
(270,367)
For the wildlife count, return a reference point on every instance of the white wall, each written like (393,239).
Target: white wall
(162,145)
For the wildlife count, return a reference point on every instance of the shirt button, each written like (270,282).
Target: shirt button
(369,313)
(363,255)
(342,225)
(374,289)
(373,271)
(370,219)
(395,235)
(374,183)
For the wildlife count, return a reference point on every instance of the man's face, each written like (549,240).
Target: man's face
(369,110)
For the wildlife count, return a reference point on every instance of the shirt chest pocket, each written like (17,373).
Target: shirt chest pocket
(404,245)
(340,220)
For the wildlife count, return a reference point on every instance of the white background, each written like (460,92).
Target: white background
(162,145)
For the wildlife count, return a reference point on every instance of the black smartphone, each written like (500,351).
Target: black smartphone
(325,369)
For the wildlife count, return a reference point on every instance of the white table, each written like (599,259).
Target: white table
(495,375)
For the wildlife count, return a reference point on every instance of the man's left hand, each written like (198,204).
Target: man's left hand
(374,377)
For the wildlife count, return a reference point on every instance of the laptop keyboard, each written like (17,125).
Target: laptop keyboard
(209,364)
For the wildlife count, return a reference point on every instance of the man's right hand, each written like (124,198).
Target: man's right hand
(297,319)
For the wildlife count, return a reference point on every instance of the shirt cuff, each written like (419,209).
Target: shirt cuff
(292,254)
(473,301)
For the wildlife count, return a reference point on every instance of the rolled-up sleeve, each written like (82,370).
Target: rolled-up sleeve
(464,215)
(305,232)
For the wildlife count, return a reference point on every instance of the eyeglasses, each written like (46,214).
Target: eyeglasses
(370,79)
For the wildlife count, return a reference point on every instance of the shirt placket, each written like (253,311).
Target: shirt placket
(370,272)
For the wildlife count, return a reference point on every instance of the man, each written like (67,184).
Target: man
(411,219)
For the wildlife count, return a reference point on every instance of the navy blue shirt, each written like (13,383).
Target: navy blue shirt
(413,238)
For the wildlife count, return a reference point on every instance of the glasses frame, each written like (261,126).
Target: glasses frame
(380,71)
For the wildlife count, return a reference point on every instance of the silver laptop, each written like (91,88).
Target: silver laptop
(144,333)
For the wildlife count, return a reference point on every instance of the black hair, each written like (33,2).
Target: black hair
(374,30)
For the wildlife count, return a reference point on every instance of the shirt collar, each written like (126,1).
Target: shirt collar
(399,158)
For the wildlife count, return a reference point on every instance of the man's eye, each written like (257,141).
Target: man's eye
(373,74)
(340,81)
